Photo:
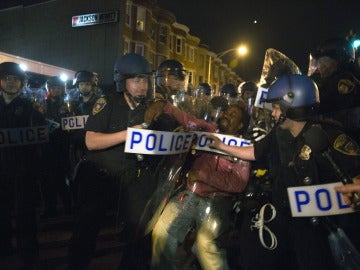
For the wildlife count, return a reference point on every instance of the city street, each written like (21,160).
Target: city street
(54,235)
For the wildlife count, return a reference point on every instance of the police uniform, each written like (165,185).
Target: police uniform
(85,108)
(104,176)
(56,152)
(77,147)
(77,136)
(19,172)
(340,100)
(302,244)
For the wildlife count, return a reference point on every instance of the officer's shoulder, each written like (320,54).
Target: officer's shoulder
(339,140)
(99,104)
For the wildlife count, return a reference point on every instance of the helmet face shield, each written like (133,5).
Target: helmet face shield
(338,49)
(175,81)
(140,87)
(172,76)
(324,66)
(312,69)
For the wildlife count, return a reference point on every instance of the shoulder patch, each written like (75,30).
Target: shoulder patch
(345,86)
(99,105)
(347,146)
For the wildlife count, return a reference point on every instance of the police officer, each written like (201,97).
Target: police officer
(228,90)
(108,173)
(333,66)
(200,102)
(171,81)
(204,89)
(81,101)
(85,94)
(54,183)
(20,163)
(206,199)
(302,243)
(248,91)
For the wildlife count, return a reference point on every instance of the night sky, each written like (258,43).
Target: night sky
(293,27)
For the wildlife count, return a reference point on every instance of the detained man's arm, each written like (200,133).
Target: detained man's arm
(244,152)
(99,140)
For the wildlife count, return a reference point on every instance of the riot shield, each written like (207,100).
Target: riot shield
(195,104)
(276,64)
(169,174)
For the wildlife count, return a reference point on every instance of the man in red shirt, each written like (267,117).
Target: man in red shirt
(206,202)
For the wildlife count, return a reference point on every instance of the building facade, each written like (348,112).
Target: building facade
(91,35)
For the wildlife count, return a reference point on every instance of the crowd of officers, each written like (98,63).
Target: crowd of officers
(172,209)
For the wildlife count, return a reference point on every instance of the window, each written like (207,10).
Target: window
(152,60)
(216,72)
(191,54)
(128,13)
(178,45)
(139,49)
(152,32)
(222,75)
(191,76)
(140,19)
(127,46)
(163,33)
(201,61)
(171,42)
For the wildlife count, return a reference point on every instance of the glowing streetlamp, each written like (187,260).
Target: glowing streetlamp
(241,51)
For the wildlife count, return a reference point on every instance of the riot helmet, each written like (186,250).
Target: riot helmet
(12,69)
(203,89)
(55,81)
(129,66)
(86,77)
(82,76)
(228,89)
(338,49)
(171,75)
(247,89)
(55,86)
(297,95)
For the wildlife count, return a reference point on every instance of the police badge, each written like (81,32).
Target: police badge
(305,152)
(345,86)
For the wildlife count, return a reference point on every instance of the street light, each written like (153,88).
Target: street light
(241,51)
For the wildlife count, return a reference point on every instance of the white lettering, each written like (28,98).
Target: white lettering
(23,136)
(74,122)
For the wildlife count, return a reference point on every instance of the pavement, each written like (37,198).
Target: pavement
(54,235)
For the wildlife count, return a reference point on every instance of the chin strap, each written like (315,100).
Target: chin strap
(135,101)
(282,118)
